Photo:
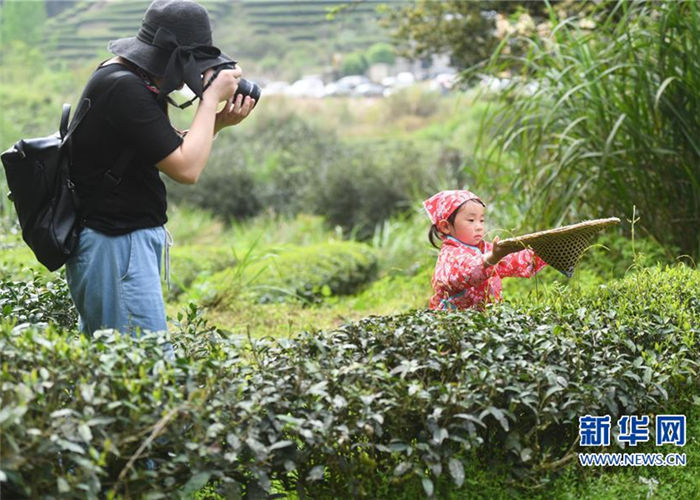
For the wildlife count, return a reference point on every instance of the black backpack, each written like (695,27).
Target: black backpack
(45,198)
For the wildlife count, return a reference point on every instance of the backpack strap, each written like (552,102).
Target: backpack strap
(63,126)
(67,130)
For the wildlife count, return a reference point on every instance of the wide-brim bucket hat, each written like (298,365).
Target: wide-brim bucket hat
(174,44)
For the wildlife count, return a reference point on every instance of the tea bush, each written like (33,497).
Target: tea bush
(410,397)
(38,299)
(307,273)
(192,261)
(613,255)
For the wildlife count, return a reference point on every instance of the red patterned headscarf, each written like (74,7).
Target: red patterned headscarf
(441,205)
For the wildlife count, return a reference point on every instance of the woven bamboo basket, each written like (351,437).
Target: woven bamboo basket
(562,247)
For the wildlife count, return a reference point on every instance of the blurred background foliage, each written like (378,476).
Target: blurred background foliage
(596,115)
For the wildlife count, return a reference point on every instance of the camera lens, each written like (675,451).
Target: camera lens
(248,88)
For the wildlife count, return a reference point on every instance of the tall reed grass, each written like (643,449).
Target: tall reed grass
(610,120)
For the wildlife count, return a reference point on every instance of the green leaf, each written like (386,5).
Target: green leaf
(281,444)
(195,483)
(497,414)
(428,486)
(70,446)
(62,484)
(457,471)
(85,432)
(316,473)
(471,418)
(402,468)
(87,391)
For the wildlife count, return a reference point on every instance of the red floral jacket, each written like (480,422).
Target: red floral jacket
(461,280)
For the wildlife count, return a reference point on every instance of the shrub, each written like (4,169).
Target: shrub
(291,166)
(307,273)
(381,53)
(266,168)
(193,261)
(38,299)
(365,186)
(409,397)
(225,190)
(354,64)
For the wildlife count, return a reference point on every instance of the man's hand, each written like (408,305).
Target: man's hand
(234,112)
(223,86)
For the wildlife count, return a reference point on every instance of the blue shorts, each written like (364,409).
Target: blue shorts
(115,281)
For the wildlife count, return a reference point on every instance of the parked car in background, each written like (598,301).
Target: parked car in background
(334,89)
(352,81)
(310,86)
(275,88)
(369,89)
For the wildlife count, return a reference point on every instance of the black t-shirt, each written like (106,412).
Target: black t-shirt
(124,114)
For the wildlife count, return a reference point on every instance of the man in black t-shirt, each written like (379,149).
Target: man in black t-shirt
(114,275)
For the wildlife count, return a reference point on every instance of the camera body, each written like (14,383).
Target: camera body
(245,87)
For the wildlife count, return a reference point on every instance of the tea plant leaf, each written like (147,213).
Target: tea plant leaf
(316,473)
(62,485)
(402,468)
(195,483)
(428,486)
(457,471)
(497,414)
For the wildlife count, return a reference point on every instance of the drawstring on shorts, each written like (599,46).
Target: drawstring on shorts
(168,244)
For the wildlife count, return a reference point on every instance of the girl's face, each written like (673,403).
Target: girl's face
(469,226)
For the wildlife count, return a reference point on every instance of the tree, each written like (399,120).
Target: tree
(469,31)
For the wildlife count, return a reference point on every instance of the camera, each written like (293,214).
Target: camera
(245,87)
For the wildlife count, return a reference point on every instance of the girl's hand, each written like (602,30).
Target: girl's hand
(234,112)
(497,253)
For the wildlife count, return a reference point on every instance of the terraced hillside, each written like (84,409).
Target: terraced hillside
(306,19)
(270,36)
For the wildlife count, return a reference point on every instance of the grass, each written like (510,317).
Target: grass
(610,123)
(16,260)
(404,280)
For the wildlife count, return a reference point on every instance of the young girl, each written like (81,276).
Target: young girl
(468,270)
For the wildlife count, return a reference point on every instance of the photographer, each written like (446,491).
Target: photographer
(114,275)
